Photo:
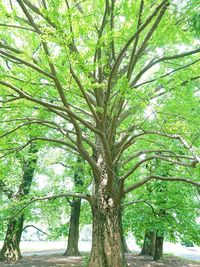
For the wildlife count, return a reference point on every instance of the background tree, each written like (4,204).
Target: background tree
(10,250)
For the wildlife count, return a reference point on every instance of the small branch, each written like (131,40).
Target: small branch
(17,27)
(173,136)
(5,46)
(30,65)
(125,48)
(31,225)
(138,154)
(169,73)
(53,197)
(112,28)
(151,64)
(140,201)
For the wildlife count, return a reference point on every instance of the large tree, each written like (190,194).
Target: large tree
(97,74)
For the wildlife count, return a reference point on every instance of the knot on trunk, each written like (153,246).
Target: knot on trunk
(105,204)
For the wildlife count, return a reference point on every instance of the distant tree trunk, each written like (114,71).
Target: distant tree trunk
(73,237)
(158,247)
(159,236)
(146,244)
(152,243)
(125,246)
(148,247)
(10,250)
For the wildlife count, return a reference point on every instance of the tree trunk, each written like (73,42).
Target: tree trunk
(148,247)
(125,247)
(107,247)
(10,250)
(73,237)
(158,247)
(152,243)
(146,244)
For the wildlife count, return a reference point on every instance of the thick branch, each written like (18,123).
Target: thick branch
(173,179)
(131,63)
(163,158)
(148,36)
(50,106)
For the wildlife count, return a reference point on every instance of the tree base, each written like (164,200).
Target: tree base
(72,253)
(107,246)
(10,255)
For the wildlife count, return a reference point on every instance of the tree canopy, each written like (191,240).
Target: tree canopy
(114,83)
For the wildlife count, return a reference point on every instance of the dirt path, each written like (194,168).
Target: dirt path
(57,260)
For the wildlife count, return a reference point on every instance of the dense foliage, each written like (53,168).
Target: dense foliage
(108,93)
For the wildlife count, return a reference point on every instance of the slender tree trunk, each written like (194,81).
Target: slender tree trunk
(125,247)
(107,247)
(10,250)
(158,247)
(73,237)
(148,247)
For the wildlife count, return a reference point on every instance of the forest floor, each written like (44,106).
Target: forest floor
(57,260)
(31,248)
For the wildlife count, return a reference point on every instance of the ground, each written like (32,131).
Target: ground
(49,254)
(57,260)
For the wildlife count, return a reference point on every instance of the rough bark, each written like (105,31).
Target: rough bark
(152,243)
(73,237)
(107,247)
(158,247)
(10,250)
